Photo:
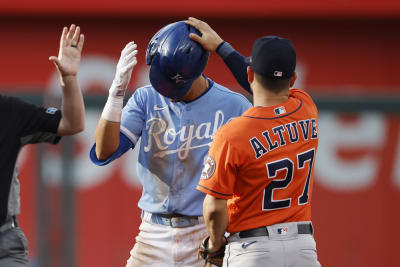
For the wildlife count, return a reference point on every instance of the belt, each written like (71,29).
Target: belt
(172,220)
(263,231)
(11,222)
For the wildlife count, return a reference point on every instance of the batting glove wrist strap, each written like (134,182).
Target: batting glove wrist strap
(113,109)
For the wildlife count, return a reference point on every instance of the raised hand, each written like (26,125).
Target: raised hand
(124,70)
(209,39)
(69,53)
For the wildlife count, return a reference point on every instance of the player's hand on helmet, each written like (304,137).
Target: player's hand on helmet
(69,53)
(209,39)
(124,70)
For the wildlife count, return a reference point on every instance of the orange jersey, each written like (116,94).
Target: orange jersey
(263,162)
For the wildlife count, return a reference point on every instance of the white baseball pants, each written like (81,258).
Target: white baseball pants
(159,245)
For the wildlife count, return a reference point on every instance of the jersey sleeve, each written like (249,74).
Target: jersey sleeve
(133,116)
(124,145)
(306,98)
(35,124)
(236,64)
(219,173)
(244,105)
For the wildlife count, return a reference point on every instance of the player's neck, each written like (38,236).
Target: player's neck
(199,86)
(265,98)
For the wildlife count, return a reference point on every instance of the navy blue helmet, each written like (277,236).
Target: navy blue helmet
(175,60)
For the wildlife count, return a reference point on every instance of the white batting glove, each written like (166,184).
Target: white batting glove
(113,108)
(124,70)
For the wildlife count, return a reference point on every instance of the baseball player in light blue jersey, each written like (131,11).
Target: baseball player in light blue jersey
(176,118)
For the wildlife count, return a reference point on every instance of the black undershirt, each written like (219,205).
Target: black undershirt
(21,123)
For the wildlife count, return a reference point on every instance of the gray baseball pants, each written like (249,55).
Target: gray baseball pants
(283,247)
(13,248)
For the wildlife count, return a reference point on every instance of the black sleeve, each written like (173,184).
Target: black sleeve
(236,64)
(35,124)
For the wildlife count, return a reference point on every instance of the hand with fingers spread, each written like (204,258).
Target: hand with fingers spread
(67,63)
(124,70)
(69,54)
(209,39)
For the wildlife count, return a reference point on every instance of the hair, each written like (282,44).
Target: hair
(272,84)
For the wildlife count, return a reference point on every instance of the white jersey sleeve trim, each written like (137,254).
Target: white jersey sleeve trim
(129,134)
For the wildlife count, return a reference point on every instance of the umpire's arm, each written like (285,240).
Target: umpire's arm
(67,64)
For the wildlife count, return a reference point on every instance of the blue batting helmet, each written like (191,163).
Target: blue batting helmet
(175,60)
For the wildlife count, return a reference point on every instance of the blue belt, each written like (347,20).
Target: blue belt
(172,220)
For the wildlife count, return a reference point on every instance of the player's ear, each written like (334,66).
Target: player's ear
(293,79)
(250,75)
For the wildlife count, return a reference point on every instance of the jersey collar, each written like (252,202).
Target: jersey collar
(284,109)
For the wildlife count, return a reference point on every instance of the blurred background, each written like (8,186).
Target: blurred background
(76,214)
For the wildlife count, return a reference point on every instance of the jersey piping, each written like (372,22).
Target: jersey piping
(227,195)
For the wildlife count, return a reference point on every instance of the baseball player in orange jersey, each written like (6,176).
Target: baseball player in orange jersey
(258,175)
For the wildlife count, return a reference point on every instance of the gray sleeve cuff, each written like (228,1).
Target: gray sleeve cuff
(224,50)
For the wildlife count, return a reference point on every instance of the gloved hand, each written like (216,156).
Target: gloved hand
(211,258)
(124,70)
(113,107)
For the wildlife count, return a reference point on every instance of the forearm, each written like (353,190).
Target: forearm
(107,138)
(72,109)
(216,224)
(236,64)
(108,128)
(215,214)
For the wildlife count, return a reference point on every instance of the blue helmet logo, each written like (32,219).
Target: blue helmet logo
(178,78)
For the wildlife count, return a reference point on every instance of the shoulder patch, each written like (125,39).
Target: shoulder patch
(51,110)
(208,169)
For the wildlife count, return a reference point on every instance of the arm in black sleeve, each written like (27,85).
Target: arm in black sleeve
(236,64)
(35,124)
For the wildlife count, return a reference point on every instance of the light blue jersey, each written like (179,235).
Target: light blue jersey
(175,138)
